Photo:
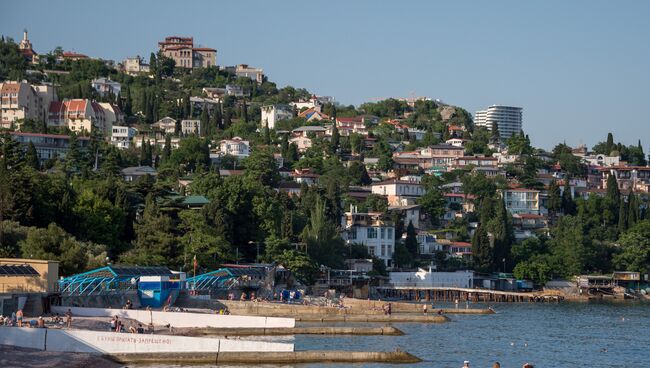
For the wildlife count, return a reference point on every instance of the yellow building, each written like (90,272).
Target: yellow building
(28,275)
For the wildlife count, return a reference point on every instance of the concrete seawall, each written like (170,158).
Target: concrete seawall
(324,330)
(183,319)
(82,341)
(296,357)
(352,307)
(358,318)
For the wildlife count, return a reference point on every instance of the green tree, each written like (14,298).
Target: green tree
(635,248)
(411,241)
(155,244)
(31,157)
(261,167)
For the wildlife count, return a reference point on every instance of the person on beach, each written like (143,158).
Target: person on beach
(68,318)
(528,365)
(19,318)
(132,329)
(496,365)
(242,297)
(424,309)
(41,322)
(113,321)
(466,364)
(13,319)
(140,328)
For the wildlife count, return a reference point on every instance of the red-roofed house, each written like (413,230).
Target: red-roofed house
(183,52)
(79,115)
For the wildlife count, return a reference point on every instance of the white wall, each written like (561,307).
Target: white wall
(182,319)
(82,341)
(422,278)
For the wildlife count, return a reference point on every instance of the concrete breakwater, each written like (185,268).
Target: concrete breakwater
(319,330)
(372,309)
(393,318)
(403,307)
(296,357)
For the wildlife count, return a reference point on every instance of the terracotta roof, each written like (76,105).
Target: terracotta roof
(203,49)
(70,54)
(10,87)
(396,181)
(75,105)
(461,244)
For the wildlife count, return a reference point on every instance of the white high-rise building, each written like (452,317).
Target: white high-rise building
(507,118)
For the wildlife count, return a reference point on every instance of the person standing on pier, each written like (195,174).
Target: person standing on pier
(68,318)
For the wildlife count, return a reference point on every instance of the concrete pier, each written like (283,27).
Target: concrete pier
(359,318)
(296,357)
(324,330)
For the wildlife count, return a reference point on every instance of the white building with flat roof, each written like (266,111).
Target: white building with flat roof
(122,136)
(508,119)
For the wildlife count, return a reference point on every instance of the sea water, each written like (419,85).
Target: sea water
(545,335)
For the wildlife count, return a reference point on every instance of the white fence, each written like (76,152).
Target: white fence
(183,319)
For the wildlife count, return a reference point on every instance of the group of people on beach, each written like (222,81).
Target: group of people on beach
(17,319)
(118,326)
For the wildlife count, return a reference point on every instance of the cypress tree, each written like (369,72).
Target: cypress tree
(411,241)
(167,150)
(633,210)
(554,198)
(267,134)
(642,160)
(568,205)
(622,217)
(205,120)
(128,103)
(244,110)
(612,200)
(609,146)
(335,138)
(31,157)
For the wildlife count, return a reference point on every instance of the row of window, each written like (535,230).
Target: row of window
(373,233)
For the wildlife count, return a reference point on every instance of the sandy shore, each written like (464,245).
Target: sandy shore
(14,357)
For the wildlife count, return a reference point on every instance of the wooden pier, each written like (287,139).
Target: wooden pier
(451,295)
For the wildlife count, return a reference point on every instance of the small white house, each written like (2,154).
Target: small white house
(122,136)
(236,147)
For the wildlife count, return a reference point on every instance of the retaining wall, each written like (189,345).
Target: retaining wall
(82,341)
(183,319)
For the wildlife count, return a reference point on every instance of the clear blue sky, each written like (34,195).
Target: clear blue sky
(578,68)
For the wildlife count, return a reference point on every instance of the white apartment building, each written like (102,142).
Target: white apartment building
(234,147)
(20,101)
(399,192)
(522,201)
(105,86)
(245,71)
(166,124)
(135,65)
(122,136)
(508,119)
(371,230)
(191,127)
(271,114)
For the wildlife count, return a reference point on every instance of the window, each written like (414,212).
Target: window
(371,251)
(383,250)
(353,233)
(390,234)
(383,233)
(372,233)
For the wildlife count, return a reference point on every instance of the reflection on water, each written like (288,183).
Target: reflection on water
(546,335)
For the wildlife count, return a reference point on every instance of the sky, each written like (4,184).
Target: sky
(579,69)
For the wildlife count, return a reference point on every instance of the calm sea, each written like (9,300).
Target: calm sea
(546,335)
